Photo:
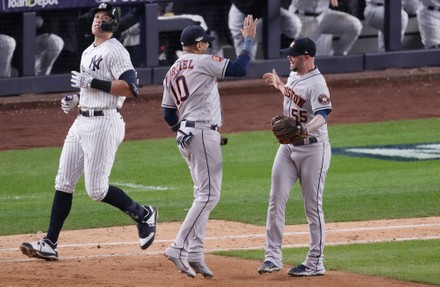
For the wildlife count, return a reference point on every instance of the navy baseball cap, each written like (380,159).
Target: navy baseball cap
(194,34)
(301,46)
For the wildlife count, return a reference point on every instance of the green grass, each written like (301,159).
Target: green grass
(414,261)
(153,172)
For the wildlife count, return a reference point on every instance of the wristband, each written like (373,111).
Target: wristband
(248,44)
(101,85)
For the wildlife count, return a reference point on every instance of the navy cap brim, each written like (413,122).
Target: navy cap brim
(206,38)
(289,52)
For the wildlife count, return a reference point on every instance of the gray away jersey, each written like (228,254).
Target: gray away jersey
(107,61)
(191,87)
(309,93)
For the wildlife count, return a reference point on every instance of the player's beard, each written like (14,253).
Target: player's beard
(293,67)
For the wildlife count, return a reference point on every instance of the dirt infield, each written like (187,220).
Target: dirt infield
(110,256)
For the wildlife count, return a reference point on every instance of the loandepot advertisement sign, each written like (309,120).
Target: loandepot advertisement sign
(408,152)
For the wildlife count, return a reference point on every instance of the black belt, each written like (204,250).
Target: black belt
(432,8)
(305,141)
(94,113)
(307,13)
(191,124)
(86,113)
(377,4)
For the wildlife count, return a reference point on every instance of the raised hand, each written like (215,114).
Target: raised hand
(249,26)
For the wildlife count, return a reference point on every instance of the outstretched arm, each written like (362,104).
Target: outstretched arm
(239,67)
(274,80)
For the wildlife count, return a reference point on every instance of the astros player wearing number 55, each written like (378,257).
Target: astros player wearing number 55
(191,107)
(307,99)
(107,76)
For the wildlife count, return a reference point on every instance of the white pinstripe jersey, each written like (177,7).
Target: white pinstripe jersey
(313,6)
(308,94)
(191,86)
(107,61)
(434,3)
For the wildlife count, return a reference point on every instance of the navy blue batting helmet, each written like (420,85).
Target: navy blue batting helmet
(113,24)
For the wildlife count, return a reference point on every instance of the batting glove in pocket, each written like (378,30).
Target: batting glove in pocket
(184,139)
(80,80)
(69,102)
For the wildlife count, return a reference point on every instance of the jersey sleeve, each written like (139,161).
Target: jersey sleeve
(320,98)
(120,61)
(214,65)
(167,97)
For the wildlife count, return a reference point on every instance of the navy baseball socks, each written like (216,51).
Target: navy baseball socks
(46,249)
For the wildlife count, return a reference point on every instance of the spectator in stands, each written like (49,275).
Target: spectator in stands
(374,14)
(290,23)
(428,18)
(320,23)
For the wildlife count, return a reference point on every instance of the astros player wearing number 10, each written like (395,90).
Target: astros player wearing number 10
(106,77)
(191,107)
(307,99)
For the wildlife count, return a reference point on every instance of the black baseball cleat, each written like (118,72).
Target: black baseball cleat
(43,249)
(147,227)
(268,267)
(302,270)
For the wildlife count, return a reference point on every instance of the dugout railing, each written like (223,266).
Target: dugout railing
(152,72)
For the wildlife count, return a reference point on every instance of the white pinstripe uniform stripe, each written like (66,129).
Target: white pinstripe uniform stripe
(375,17)
(48,48)
(329,22)
(92,142)
(193,78)
(309,163)
(7,47)
(290,26)
(429,22)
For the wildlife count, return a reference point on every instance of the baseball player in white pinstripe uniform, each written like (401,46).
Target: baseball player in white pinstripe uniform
(191,107)
(107,76)
(7,48)
(374,14)
(428,18)
(320,23)
(307,99)
(290,24)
